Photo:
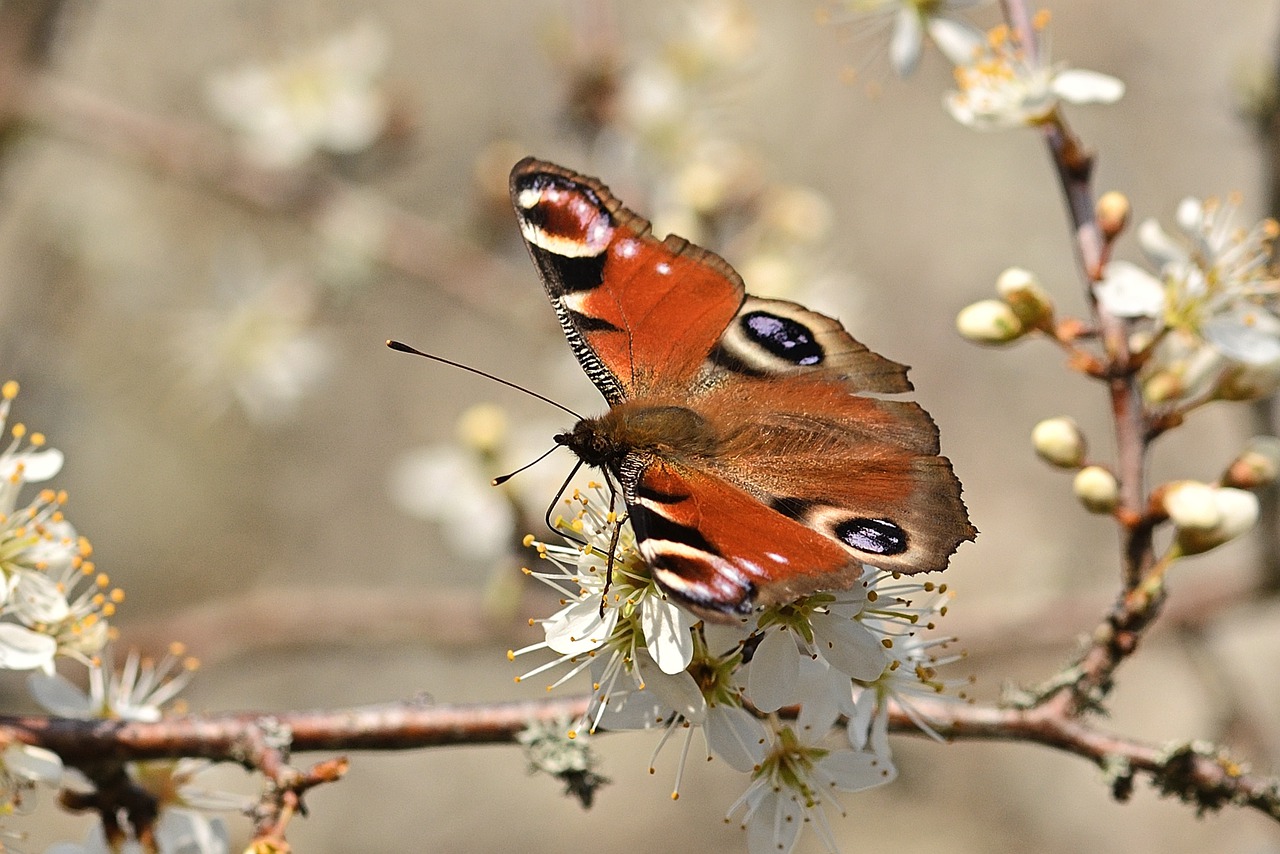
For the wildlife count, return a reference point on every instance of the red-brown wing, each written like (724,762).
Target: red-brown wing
(641,314)
(720,551)
(861,471)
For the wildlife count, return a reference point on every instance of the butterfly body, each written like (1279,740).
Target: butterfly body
(753,466)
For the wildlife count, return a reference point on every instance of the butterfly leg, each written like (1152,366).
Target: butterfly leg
(613,544)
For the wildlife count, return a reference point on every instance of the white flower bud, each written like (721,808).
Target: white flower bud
(1022,291)
(1208,516)
(1191,505)
(1097,489)
(1059,442)
(989,321)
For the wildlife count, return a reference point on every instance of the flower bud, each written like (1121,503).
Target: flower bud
(1097,489)
(1258,464)
(1208,516)
(989,321)
(1112,210)
(1022,291)
(1059,442)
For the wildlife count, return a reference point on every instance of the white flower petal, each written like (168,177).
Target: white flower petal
(580,627)
(37,466)
(58,696)
(774,826)
(23,649)
(677,691)
(859,728)
(1190,215)
(33,763)
(817,690)
(667,633)
(958,41)
(854,771)
(1127,290)
(182,831)
(1158,245)
(905,44)
(38,599)
(1246,333)
(1077,86)
(774,672)
(736,736)
(849,647)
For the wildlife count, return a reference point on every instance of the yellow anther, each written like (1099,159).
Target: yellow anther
(9,390)
(19,430)
(37,439)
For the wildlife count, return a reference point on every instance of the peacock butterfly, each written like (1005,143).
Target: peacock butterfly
(753,468)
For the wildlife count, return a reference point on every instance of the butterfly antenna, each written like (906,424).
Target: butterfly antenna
(405,348)
(501,479)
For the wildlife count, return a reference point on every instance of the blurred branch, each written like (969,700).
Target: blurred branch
(1195,773)
(1267,124)
(411,244)
(445,619)
(273,617)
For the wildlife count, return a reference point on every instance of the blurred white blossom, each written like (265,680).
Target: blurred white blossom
(259,349)
(911,21)
(327,98)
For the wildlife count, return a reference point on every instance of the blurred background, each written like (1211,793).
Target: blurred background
(213,213)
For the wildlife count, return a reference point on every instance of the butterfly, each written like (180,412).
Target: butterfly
(752,464)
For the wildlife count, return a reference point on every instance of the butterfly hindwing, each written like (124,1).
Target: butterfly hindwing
(777,338)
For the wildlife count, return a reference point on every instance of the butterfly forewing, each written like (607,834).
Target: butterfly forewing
(640,313)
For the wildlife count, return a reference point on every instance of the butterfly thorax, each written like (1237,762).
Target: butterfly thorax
(647,429)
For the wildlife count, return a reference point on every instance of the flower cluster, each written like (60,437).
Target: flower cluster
(1010,84)
(1213,309)
(765,695)
(54,602)
(55,605)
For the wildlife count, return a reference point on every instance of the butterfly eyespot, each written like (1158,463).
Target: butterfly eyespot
(876,536)
(783,337)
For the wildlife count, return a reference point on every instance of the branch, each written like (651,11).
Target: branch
(411,244)
(1194,773)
